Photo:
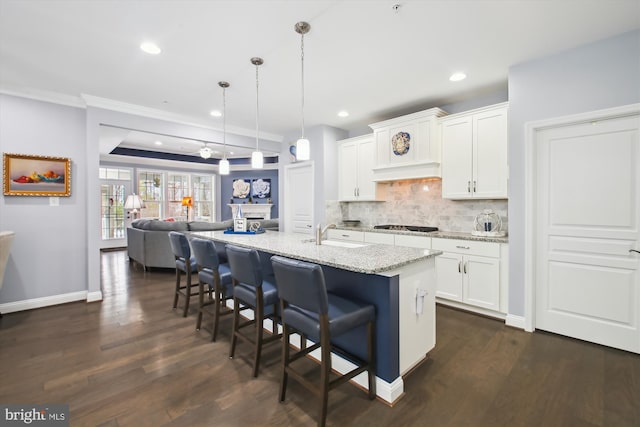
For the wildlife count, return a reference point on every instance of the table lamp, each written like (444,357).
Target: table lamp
(134,202)
(187,201)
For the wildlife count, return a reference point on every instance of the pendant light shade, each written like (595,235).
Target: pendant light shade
(223,165)
(257,159)
(303,150)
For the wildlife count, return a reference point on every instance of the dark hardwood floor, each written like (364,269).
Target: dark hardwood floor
(131,360)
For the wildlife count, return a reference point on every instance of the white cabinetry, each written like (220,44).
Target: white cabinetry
(356,159)
(408,146)
(469,272)
(349,235)
(474,154)
(383,238)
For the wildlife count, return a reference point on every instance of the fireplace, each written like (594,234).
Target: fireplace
(252,211)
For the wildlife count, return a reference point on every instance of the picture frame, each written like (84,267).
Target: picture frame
(261,188)
(32,175)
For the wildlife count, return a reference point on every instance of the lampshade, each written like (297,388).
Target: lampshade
(187,201)
(134,202)
(303,151)
(257,160)
(223,167)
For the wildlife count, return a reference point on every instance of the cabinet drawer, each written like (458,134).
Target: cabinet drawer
(467,247)
(355,236)
(413,241)
(384,238)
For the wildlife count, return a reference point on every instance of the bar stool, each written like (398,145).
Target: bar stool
(252,291)
(218,277)
(185,263)
(307,307)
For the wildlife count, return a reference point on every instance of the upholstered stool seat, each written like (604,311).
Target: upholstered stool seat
(252,289)
(218,277)
(307,308)
(186,264)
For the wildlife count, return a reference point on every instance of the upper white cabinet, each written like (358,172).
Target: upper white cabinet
(356,159)
(408,147)
(474,154)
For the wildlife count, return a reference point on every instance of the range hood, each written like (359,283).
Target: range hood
(407,171)
(408,147)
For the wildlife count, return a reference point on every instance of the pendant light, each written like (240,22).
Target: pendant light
(257,159)
(303,151)
(223,166)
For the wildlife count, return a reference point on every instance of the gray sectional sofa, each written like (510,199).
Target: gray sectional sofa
(148,239)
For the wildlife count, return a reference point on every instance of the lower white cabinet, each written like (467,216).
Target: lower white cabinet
(469,272)
(352,236)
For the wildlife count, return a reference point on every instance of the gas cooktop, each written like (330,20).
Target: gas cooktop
(419,228)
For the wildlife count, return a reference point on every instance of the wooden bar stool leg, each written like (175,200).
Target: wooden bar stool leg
(177,292)
(371,350)
(216,314)
(200,305)
(325,372)
(234,332)
(187,295)
(285,361)
(259,320)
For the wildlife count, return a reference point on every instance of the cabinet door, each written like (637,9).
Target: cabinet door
(490,154)
(481,284)
(366,162)
(383,238)
(449,276)
(347,171)
(457,161)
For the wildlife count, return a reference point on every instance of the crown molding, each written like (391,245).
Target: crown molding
(154,113)
(43,95)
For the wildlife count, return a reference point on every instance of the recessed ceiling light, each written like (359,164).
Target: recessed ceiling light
(216,113)
(150,48)
(343,114)
(158,142)
(456,77)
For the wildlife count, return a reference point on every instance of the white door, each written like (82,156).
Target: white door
(114,218)
(587,215)
(298,199)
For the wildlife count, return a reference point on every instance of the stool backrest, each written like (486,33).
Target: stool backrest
(179,245)
(301,283)
(205,254)
(245,265)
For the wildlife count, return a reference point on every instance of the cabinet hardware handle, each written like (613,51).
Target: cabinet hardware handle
(354,192)
(358,191)
(459,267)
(633,250)
(468,186)
(346,235)
(463,247)
(308,225)
(474,186)
(465,268)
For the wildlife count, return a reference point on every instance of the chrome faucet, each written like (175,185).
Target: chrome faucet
(320,232)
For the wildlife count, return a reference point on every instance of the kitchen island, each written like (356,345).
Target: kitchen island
(399,281)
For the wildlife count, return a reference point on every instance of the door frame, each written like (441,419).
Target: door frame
(287,197)
(531,140)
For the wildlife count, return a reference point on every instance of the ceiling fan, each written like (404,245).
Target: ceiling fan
(205,151)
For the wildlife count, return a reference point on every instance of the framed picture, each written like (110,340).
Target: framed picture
(27,175)
(241,189)
(261,188)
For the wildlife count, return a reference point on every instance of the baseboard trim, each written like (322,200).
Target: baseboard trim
(30,304)
(515,321)
(94,296)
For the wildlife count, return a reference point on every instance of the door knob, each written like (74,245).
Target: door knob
(633,250)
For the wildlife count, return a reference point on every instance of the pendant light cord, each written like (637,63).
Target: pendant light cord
(302,81)
(224,123)
(257,110)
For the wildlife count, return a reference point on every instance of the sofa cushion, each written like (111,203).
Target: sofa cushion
(157,225)
(209,226)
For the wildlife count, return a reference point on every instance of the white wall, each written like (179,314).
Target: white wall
(49,252)
(592,77)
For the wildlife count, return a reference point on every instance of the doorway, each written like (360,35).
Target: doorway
(584,217)
(115,185)
(298,198)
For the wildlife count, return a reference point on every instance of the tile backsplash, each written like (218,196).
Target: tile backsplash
(416,202)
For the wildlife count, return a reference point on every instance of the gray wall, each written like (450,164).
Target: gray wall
(49,252)
(595,76)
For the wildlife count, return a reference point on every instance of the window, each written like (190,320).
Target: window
(162,193)
(151,189)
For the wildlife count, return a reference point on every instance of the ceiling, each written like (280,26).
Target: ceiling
(370,58)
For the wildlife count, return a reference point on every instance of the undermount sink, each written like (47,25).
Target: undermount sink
(342,244)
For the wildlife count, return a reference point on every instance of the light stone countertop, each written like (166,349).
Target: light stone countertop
(369,259)
(439,234)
